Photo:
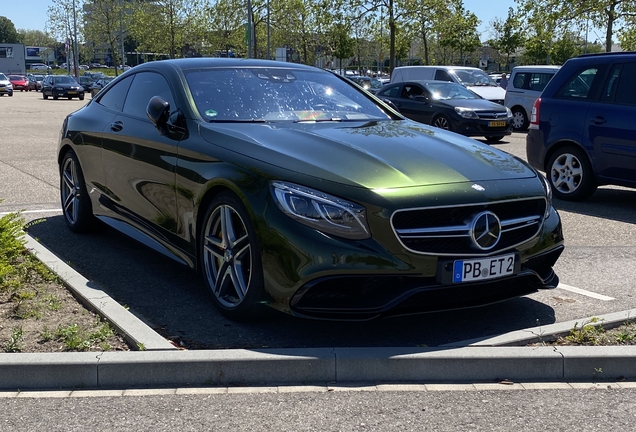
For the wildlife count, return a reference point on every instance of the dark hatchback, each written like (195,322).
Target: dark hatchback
(582,128)
(58,86)
(449,106)
(288,186)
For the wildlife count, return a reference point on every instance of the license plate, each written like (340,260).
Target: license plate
(483,268)
(72,92)
(497,124)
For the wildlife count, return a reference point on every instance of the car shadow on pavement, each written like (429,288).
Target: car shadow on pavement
(612,203)
(172,300)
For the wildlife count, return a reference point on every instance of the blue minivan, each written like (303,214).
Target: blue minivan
(583,127)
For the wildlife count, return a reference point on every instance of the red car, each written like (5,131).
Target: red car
(19,82)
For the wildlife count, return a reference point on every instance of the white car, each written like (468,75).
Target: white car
(525,85)
(5,85)
(40,67)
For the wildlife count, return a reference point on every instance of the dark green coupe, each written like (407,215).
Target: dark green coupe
(288,186)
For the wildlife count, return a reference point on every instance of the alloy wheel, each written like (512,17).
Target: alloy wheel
(566,173)
(227,256)
(71,191)
(442,123)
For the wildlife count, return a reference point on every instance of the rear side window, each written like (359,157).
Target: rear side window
(442,75)
(393,92)
(580,85)
(625,92)
(538,81)
(519,80)
(115,96)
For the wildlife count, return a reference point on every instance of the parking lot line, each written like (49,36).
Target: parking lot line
(585,293)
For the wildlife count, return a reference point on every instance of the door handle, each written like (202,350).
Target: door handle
(598,120)
(116,126)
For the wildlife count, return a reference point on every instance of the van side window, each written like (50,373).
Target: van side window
(519,80)
(538,81)
(579,86)
(442,75)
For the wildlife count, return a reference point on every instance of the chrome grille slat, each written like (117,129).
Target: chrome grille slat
(420,230)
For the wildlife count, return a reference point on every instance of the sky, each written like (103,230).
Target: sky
(31,15)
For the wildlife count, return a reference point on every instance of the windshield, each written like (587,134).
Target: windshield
(474,77)
(446,91)
(63,80)
(3,77)
(278,94)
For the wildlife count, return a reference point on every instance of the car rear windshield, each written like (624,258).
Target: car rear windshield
(278,94)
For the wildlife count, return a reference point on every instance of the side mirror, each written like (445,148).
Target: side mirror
(158,111)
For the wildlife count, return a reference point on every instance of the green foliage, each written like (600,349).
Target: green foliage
(509,35)
(8,33)
(76,338)
(13,346)
(587,334)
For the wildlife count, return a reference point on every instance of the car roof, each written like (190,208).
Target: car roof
(211,62)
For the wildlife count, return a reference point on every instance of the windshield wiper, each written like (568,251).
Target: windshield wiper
(237,121)
(334,119)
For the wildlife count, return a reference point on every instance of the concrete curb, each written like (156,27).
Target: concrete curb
(161,365)
(315,366)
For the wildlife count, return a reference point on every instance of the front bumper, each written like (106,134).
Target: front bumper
(481,128)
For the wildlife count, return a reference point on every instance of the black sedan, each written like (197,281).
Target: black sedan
(58,86)
(450,106)
(288,186)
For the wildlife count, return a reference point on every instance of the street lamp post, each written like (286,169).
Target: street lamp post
(75,53)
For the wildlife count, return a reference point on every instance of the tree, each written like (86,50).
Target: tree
(8,33)
(508,35)
(64,17)
(603,14)
(459,31)
(167,26)
(36,38)
(105,21)
(225,29)
(341,44)
(426,16)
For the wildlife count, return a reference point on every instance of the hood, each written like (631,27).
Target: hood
(489,92)
(385,154)
(475,104)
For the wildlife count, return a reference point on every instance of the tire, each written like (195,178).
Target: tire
(70,97)
(54,96)
(44,96)
(10,94)
(520,120)
(442,122)
(76,204)
(570,174)
(494,138)
(231,259)
(81,97)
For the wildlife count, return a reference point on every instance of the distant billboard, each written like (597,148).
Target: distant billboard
(6,52)
(33,51)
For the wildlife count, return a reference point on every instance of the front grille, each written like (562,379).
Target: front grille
(447,230)
(492,115)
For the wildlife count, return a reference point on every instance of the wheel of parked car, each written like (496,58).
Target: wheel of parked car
(81,96)
(519,119)
(570,174)
(44,96)
(76,204)
(442,122)
(54,96)
(231,258)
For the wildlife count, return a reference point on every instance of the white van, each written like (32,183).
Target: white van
(525,85)
(473,78)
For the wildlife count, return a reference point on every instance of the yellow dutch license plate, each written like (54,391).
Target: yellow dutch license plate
(497,124)
(73,92)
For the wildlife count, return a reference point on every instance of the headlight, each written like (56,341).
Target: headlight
(466,112)
(509,112)
(326,213)
(548,193)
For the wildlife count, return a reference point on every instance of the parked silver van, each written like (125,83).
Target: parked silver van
(473,78)
(524,87)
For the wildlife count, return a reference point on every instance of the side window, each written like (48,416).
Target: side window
(393,92)
(410,91)
(442,75)
(146,85)
(115,96)
(519,80)
(579,86)
(538,81)
(626,91)
(609,89)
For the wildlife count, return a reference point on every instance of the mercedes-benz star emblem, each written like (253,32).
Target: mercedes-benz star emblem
(485,230)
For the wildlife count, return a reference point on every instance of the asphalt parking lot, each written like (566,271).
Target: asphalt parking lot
(595,270)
